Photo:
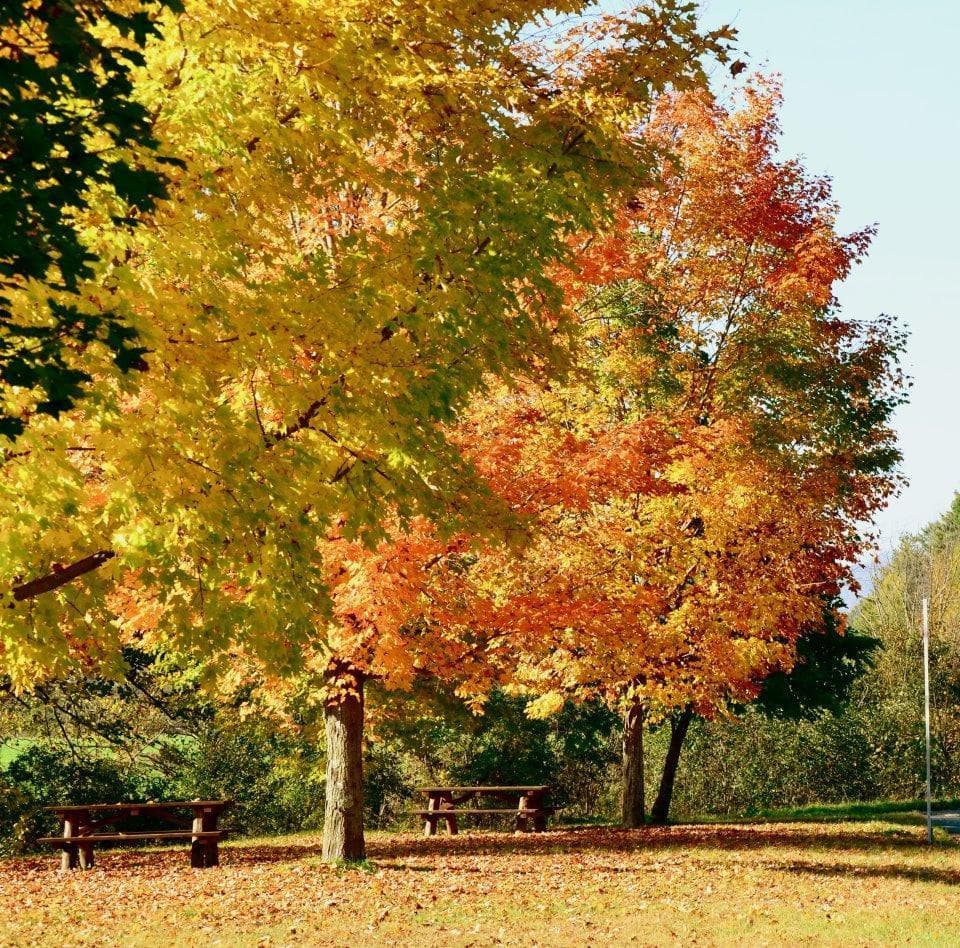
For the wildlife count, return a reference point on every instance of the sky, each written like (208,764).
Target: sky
(871,99)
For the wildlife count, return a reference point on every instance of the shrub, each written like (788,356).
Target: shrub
(46,775)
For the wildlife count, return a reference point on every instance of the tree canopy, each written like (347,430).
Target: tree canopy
(477,342)
(697,492)
(364,227)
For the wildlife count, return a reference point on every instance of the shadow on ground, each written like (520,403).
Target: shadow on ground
(889,871)
(666,839)
(393,851)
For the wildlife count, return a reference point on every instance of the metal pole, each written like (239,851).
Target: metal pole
(926,711)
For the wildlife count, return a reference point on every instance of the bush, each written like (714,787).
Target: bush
(390,779)
(48,775)
(742,767)
(273,778)
(275,781)
(437,741)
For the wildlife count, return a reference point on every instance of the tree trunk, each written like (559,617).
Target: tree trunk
(633,809)
(678,731)
(343,815)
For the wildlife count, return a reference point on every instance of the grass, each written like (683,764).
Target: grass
(796,883)
(898,810)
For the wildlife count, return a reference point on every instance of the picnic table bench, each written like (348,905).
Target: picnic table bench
(443,803)
(82,824)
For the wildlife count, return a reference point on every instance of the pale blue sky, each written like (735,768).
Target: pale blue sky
(871,100)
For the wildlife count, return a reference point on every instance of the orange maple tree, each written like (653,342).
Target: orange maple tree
(708,316)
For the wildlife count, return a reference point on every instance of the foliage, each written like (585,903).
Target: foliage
(439,742)
(389,784)
(689,503)
(727,336)
(924,565)
(695,494)
(153,735)
(839,734)
(368,221)
(486,348)
(273,779)
(742,767)
(70,128)
(91,740)
(14,807)
(45,775)
(830,661)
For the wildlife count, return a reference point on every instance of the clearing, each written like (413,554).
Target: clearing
(798,883)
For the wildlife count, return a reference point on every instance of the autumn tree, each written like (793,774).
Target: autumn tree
(686,503)
(683,592)
(366,226)
(740,254)
(700,491)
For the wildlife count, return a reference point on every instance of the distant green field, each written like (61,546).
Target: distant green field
(846,812)
(12,748)
(893,811)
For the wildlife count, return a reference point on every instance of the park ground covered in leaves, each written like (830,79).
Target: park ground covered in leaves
(796,883)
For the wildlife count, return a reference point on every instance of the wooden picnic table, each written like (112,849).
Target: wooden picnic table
(82,823)
(443,803)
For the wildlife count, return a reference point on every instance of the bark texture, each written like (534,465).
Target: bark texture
(633,809)
(678,732)
(343,815)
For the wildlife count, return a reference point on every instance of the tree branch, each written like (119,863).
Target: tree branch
(61,575)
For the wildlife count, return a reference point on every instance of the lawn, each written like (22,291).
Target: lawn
(890,811)
(796,883)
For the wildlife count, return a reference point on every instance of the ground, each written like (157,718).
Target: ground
(841,883)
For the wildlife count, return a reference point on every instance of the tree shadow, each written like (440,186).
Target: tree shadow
(411,851)
(130,859)
(650,839)
(896,871)
(259,853)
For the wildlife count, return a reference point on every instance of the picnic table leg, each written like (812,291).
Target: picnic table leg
(539,819)
(449,816)
(430,822)
(524,804)
(86,849)
(197,859)
(445,806)
(69,855)
(212,849)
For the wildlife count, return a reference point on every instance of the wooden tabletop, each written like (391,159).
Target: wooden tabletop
(479,789)
(173,804)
